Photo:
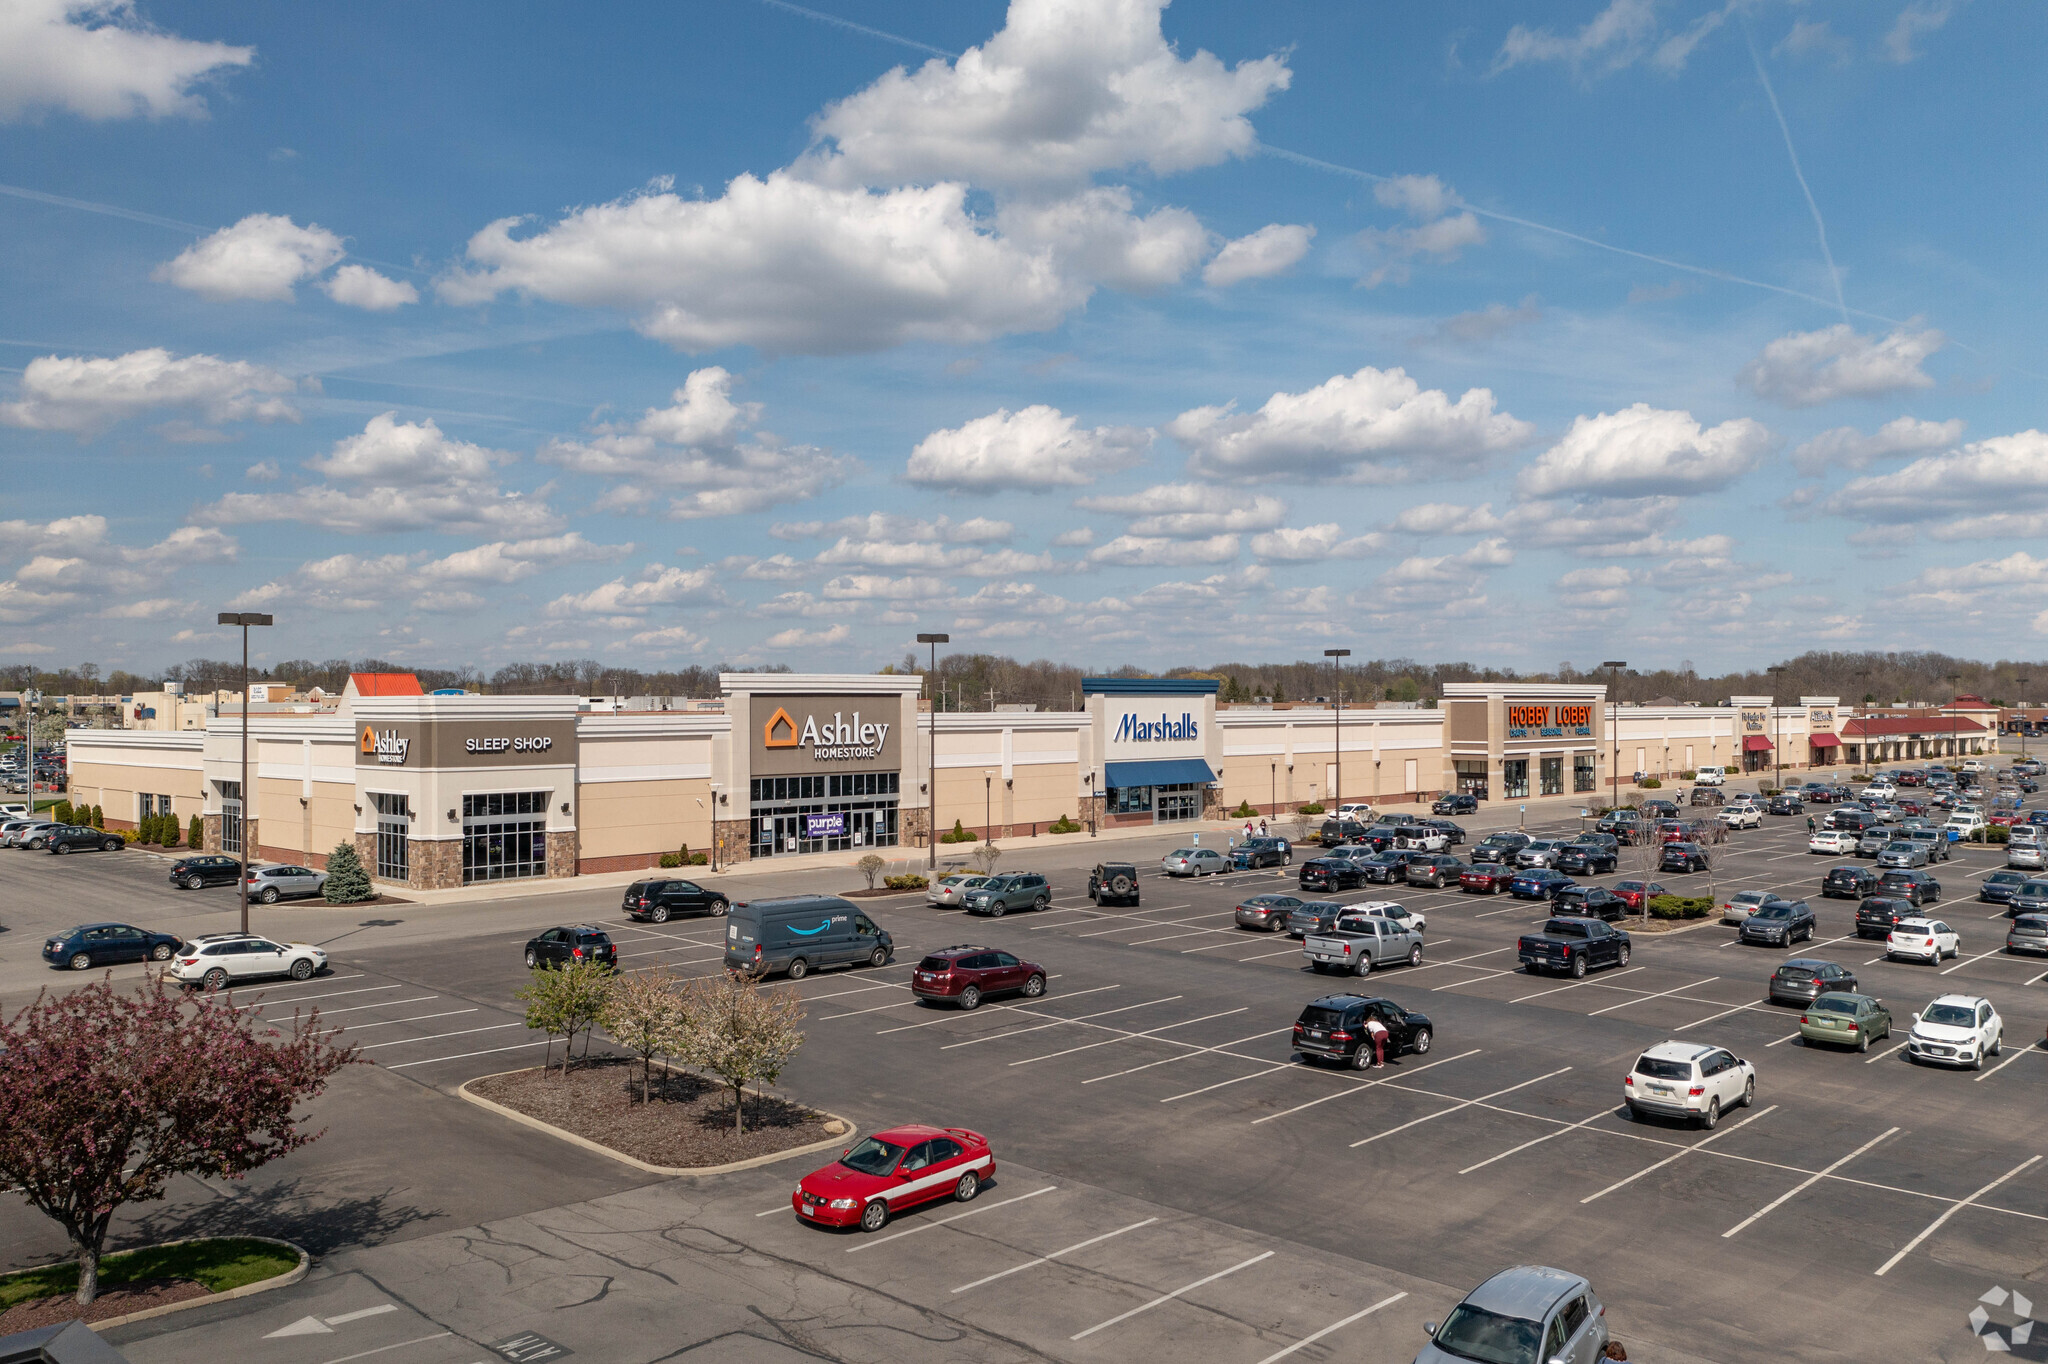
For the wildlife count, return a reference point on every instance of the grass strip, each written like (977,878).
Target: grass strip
(221,1264)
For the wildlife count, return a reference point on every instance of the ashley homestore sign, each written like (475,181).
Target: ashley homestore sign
(798,733)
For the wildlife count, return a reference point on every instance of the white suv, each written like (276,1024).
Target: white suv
(1956,1030)
(218,960)
(1687,1080)
(1927,940)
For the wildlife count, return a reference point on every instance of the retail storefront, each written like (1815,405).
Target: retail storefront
(824,768)
(1524,741)
(1160,747)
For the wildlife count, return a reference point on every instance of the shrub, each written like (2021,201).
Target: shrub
(97,820)
(871,867)
(1768,791)
(347,882)
(1687,775)
(195,833)
(1312,808)
(1681,906)
(132,836)
(700,860)
(986,857)
(1996,833)
(169,830)
(1063,825)
(959,834)
(907,881)
(1244,810)
(669,860)
(63,813)
(1650,784)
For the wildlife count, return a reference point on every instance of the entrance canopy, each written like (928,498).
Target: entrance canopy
(1157,772)
(1755,743)
(1825,741)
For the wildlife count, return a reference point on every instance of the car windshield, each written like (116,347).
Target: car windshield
(872,1157)
(1950,1015)
(1836,1004)
(2004,878)
(2033,888)
(1475,1333)
(1658,1068)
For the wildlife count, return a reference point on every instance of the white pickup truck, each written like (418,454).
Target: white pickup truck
(1360,942)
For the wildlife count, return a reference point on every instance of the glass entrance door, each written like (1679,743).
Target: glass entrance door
(1178,805)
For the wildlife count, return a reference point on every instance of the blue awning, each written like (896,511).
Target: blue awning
(1157,772)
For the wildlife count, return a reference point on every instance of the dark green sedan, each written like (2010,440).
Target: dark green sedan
(1846,1020)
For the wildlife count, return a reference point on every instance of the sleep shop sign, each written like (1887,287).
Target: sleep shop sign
(1549,722)
(445,744)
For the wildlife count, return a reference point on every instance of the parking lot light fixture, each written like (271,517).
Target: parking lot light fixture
(1337,657)
(1614,667)
(2023,718)
(244,619)
(1778,717)
(931,789)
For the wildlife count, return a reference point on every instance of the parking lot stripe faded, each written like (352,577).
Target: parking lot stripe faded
(1129,1037)
(385,1004)
(1679,1155)
(463,1056)
(416,1018)
(1804,1185)
(1169,1297)
(1957,1207)
(927,1226)
(2018,1052)
(301,999)
(1625,971)
(1362,1085)
(1979,957)
(1306,1341)
(1009,1008)
(1189,1055)
(1537,1141)
(1461,1103)
(1047,1259)
(435,1037)
(1053,1022)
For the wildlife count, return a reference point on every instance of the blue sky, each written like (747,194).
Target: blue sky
(673,333)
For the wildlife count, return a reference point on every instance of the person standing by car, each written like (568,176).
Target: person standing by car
(1262,828)
(1377,1031)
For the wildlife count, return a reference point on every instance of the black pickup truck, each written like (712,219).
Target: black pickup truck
(1573,946)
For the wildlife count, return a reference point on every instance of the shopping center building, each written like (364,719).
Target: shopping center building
(441,790)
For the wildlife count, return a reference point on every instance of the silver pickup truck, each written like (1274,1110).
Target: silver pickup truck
(1360,942)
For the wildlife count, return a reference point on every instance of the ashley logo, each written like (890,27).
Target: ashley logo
(388,746)
(787,738)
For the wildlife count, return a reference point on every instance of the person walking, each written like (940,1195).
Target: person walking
(1377,1031)
(1262,828)
(1247,831)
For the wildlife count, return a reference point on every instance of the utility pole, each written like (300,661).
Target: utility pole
(1778,719)
(1614,667)
(931,789)
(1337,657)
(245,619)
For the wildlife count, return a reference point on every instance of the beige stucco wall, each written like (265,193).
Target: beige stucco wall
(113,786)
(634,818)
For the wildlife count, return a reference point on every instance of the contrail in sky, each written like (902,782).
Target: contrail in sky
(1819,227)
(851,26)
(110,210)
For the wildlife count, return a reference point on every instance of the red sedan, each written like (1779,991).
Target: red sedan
(1636,892)
(892,1171)
(1486,879)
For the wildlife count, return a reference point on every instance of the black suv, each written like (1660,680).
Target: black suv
(1333,1029)
(1914,887)
(1335,831)
(213,869)
(1590,902)
(1782,804)
(1458,803)
(661,900)
(1778,924)
(1802,980)
(1500,848)
(1331,873)
(1262,852)
(1585,859)
(71,837)
(1849,883)
(1686,857)
(1878,915)
(91,945)
(578,942)
(1113,883)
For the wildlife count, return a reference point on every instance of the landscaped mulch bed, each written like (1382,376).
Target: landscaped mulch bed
(687,1123)
(114,1302)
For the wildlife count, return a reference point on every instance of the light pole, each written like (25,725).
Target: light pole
(1614,667)
(931,792)
(1778,722)
(245,619)
(1337,657)
(2023,719)
(988,796)
(1955,733)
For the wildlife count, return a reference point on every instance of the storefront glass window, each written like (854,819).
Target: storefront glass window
(1514,775)
(1472,777)
(830,812)
(231,817)
(1553,776)
(504,836)
(1130,800)
(394,836)
(1582,773)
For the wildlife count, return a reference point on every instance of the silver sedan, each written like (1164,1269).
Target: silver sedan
(951,891)
(1193,862)
(271,884)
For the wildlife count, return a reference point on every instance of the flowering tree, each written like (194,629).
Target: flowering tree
(740,1033)
(564,1000)
(104,1095)
(644,1014)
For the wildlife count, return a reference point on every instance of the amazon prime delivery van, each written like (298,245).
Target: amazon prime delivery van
(799,934)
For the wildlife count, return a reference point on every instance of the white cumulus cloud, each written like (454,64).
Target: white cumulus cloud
(98,59)
(1846,447)
(1313,543)
(1989,487)
(1645,451)
(1188,511)
(1269,251)
(358,286)
(262,257)
(1033,450)
(1351,427)
(1147,551)
(656,585)
(86,395)
(1806,369)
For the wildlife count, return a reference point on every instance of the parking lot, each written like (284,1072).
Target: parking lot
(1172,1179)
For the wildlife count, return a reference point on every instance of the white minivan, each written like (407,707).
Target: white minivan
(1709,776)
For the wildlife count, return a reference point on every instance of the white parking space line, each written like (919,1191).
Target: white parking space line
(1537,1141)
(1169,1297)
(1455,1107)
(1191,933)
(2037,979)
(1957,1207)
(1051,1022)
(717,952)
(1129,1037)
(1158,923)
(1143,916)
(1048,1259)
(383,1004)
(1679,1155)
(1485,973)
(1786,1038)
(1626,971)
(952,1014)
(1491,912)
(460,1056)
(927,1226)
(874,1009)
(1804,1185)
(301,999)
(324,980)
(1886,1052)
(857,990)
(1190,1055)
(1639,999)
(1333,1326)
(1760,1004)
(1455,961)
(382,1349)
(1225,1084)
(1268,956)
(2017,1054)
(416,1018)
(435,1037)
(1363,1085)
(1979,957)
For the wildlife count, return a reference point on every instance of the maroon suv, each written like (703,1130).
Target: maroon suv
(966,974)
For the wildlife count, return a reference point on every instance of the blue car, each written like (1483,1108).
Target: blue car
(90,945)
(1539,883)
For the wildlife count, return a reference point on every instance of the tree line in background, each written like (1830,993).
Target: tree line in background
(975,681)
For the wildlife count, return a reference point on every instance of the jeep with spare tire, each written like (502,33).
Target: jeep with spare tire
(1113,883)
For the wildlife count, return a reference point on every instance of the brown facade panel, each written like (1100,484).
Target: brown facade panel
(1465,721)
